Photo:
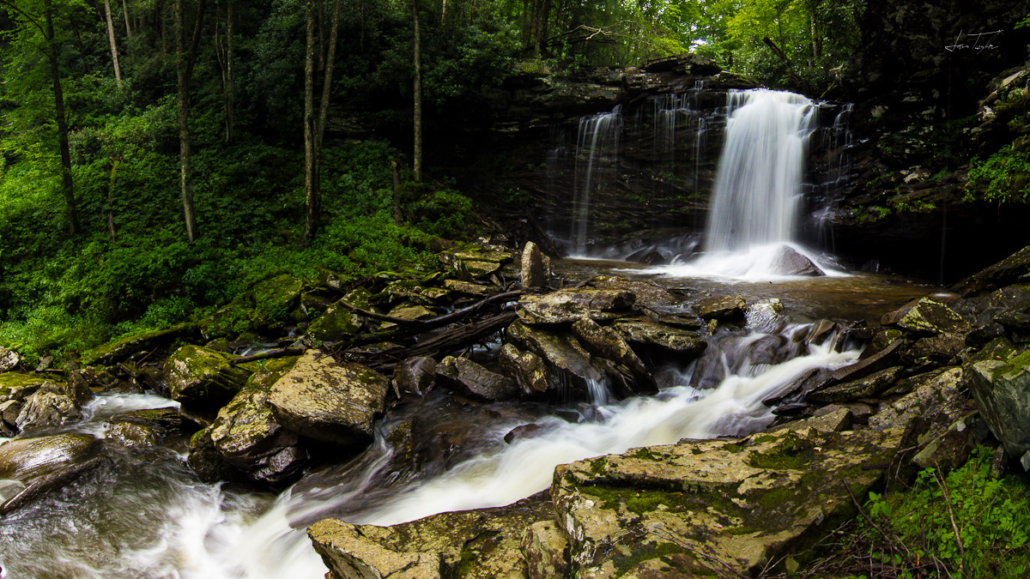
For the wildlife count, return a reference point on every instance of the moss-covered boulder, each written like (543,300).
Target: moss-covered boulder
(335,324)
(328,400)
(528,370)
(468,288)
(652,512)
(723,308)
(207,461)
(482,544)
(275,297)
(867,387)
(565,357)
(934,317)
(936,402)
(1001,388)
(250,438)
(15,386)
(122,348)
(470,379)
(202,377)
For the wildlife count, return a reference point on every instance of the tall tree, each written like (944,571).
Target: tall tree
(225,62)
(185,59)
(314,126)
(417,155)
(114,45)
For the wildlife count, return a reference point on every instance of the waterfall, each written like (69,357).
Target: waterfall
(597,149)
(758,182)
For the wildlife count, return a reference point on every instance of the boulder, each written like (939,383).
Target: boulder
(867,387)
(9,412)
(948,451)
(9,359)
(47,407)
(467,288)
(276,296)
(645,293)
(934,317)
(248,436)
(131,434)
(414,376)
(932,407)
(536,267)
(470,379)
(15,386)
(481,544)
(683,343)
(335,324)
(723,308)
(607,343)
(199,376)
(42,464)
(528,370)
(545,548)
(561,353)
(121,349)
(568,305)
(206,460)
(329,401)
(652,511)
(788,261)
(838,420)
(1001,388)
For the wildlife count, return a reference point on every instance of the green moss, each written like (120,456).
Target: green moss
(598,465)
(773,499)
(732,448)
(792,453)
(646,552)
(644,454)
(1014,366)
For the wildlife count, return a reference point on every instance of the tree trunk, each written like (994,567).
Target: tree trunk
(417,156)
(315,127)
(114,45)
(110,197)
(128,27)
(397,218)
(815,37)
(310,174)
(184,61)
(224,52)
(443,14)
(62,122)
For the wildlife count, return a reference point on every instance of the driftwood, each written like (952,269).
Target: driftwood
(281,353)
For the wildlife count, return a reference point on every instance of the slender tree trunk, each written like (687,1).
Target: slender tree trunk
(310,171)
(417,156)
(62,122)
(114,45)
(315,127)
(185,60)
(397,218)
(224,52)
(443,14)
(815,36)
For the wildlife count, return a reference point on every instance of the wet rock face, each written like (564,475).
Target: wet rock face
(329,401)
(414,376)
(49,406)
(668,338)
(200,376)
(470,379)
(790,262)
(726,308)
(934,317)
(248,436)
(528,370)
(482,544)
(631,515)
(867,387)
(9,359)
(35,466)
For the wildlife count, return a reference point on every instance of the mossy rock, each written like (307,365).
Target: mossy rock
(15,386)
(120,349)
(198,376)
(335,324)
(274,297)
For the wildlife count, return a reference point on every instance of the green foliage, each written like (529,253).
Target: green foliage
(992,518)
(1004,177)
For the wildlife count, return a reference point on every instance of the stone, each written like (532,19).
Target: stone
(608,343)
(860,411)
(1013,269)
(935,350)
(249,437)
(545,549)
(481,544)
(931,316)
(561,353)
(15,386)
(121,349)
(867,387)
(203,377)
(49,406)
(569,305)
(645,293)
(865,366)
(932,407)
(838,420)
(528,370)
(470,379)
(1001,388)
(741,501)
(789,262)
(132,435)
(408,312)
(948,451)
(467,288)
(335,324)
(329,401)
(206,460)
(536,267)
(41,464)
(414,376)
(9,412)
(723,308)
(684,343)
(278,294)
(9,359)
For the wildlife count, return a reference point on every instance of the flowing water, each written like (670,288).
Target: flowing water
(143,513)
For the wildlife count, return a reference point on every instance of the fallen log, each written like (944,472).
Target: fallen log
(281,353)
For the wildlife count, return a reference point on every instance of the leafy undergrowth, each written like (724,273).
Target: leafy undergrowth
(63,295)
(963,524)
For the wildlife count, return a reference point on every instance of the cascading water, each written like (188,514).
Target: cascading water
(597,150)
(758,183)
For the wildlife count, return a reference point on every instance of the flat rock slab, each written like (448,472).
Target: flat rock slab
(931,316)
(572,304)
(652,511)
(1001,388)
(470,379)
(670,338)
(472,544)
(725,308)
(329,401)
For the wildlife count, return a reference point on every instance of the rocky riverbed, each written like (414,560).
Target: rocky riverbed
(740,433)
